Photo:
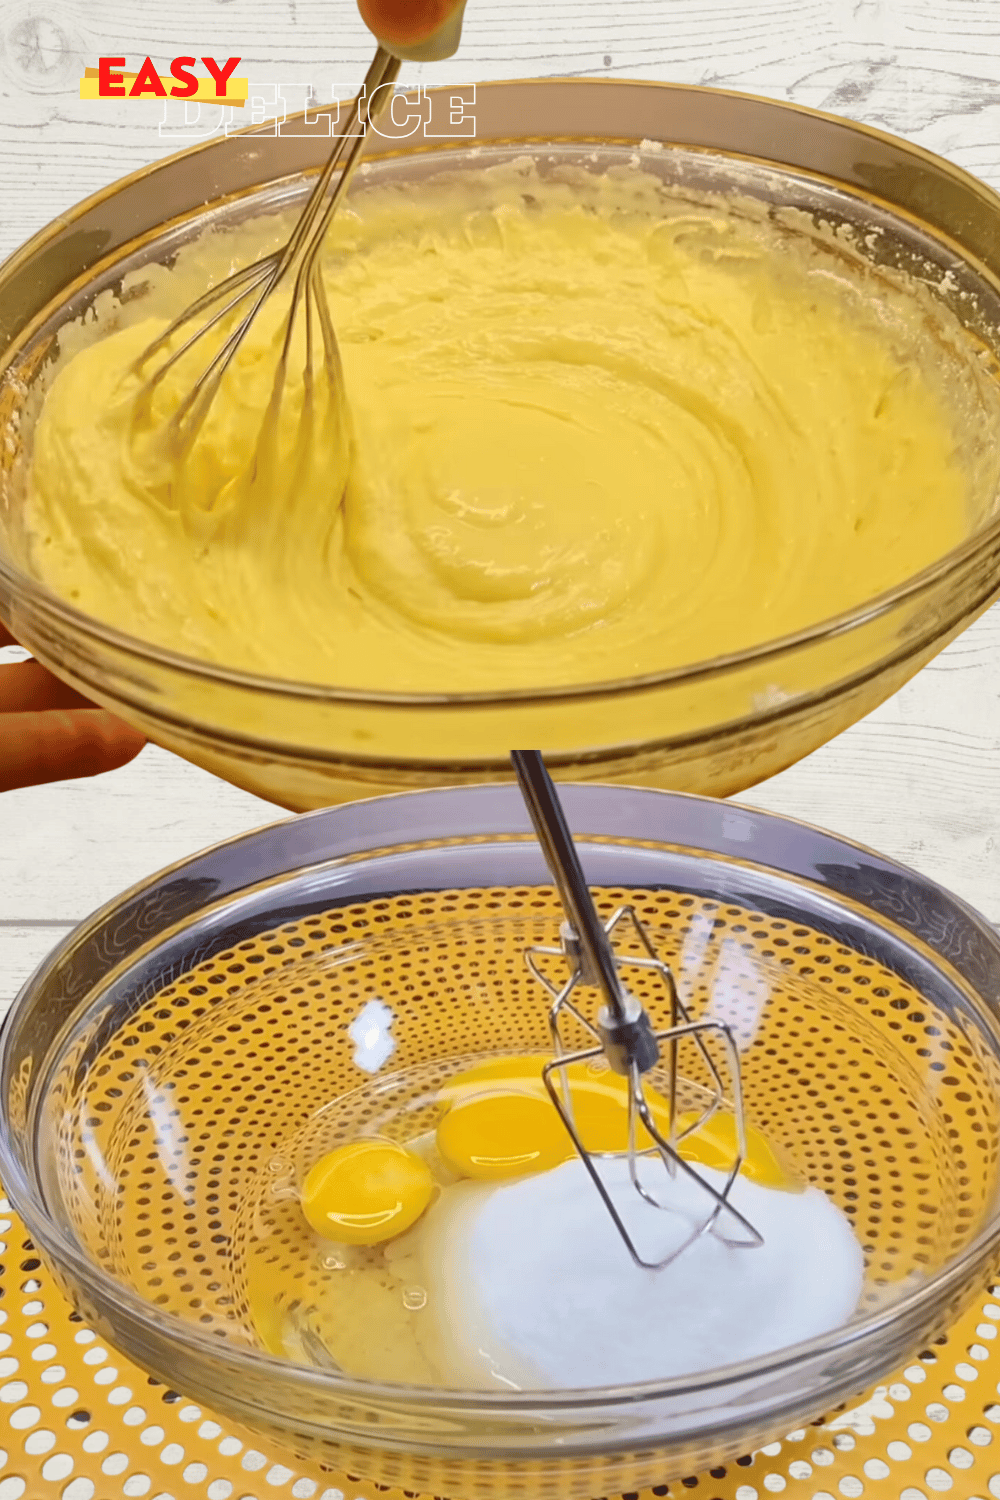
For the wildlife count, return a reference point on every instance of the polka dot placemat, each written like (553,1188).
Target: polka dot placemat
(78,1422)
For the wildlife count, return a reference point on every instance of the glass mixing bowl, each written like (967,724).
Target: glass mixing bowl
(156,1066)
(714,727)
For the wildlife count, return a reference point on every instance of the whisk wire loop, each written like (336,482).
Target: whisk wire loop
(255,283)
(747,1236)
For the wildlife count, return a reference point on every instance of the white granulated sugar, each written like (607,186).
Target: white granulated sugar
(534,1289)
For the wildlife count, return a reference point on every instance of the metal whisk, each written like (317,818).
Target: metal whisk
(250,287)
(624,1034)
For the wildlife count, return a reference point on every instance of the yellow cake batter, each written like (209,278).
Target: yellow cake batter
(591,439)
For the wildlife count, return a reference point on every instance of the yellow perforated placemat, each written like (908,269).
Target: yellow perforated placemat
(260,1030)
(77,1422)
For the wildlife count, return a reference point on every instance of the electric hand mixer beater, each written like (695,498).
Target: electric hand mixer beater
(624,1036)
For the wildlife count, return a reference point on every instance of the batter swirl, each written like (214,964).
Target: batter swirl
(590,437)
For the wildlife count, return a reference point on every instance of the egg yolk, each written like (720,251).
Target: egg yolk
(714,1144)
(502,1123)
(502,1135)
(366,1192)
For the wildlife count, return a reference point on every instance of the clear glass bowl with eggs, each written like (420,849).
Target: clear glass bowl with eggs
(715,725)
(176,1074)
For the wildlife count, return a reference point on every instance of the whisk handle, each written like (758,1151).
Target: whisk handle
(415,30)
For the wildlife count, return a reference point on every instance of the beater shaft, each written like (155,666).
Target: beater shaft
(624,1026)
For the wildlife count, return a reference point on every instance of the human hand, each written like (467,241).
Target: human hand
(417,30)
(48,732)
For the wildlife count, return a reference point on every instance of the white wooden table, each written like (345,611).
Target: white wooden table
(919,779)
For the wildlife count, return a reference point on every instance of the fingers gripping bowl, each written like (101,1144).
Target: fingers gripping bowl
(157,1068)
(719,716)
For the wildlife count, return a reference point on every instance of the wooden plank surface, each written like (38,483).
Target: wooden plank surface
(920,779)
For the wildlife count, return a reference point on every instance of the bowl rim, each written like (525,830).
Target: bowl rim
(49,604)
(236,1359)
